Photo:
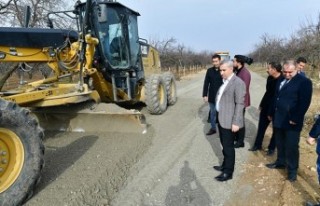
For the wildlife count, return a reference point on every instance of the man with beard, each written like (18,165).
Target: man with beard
(243,73)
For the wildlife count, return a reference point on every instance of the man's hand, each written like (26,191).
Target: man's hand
(311,141)
(234,128)
(205,99)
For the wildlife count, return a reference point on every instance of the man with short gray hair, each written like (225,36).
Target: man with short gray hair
(229,106)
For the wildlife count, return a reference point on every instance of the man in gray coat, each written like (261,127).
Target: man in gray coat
(229,106)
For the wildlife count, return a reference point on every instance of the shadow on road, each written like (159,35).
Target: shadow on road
(189,191)
(212,139)
(59,159)
(251,129)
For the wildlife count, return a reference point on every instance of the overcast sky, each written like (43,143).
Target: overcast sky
(212,25)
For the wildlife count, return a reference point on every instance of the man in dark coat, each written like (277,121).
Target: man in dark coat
(212,83)
(291,102)
(274,71)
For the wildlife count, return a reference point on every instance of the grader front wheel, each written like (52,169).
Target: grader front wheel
(11,158)
(21,153)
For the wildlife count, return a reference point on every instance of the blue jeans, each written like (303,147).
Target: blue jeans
(213,115)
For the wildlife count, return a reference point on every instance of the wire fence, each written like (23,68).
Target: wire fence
(184,71)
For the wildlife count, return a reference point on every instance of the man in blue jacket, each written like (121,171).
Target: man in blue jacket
(291,102)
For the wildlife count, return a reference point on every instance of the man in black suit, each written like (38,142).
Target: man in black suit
(274,71)
(212,83)
(291,102)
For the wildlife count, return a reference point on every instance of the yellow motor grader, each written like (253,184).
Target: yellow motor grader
(101,69)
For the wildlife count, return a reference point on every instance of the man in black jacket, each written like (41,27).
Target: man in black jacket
(274,71)
(212,83)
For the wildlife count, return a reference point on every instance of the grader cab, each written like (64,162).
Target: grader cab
(99,70)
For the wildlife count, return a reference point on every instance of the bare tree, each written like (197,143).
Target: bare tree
(175,54)
(12,11)
(304,42)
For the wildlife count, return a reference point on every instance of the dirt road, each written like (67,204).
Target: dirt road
(170,165)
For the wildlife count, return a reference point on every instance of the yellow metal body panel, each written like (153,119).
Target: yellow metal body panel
(58,94)
(18,54)
(151,60)
(65,63)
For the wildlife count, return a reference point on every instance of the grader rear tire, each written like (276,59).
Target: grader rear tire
(156,94)
(171,87)
(21,153)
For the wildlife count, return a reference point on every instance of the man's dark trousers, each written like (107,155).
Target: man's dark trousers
(227,142)
(262,127)
(239,136)
(287,142)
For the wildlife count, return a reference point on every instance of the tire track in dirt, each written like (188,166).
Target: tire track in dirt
(148,177)
(165,154)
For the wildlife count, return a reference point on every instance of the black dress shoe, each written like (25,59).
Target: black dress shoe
(254,148)
(211,132)
(270,152)
(275,166)
(238,145)
(292,178)
(223,177)
(218,168)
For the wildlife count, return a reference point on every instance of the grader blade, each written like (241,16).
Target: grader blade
(91,117)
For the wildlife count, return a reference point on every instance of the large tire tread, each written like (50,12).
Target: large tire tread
(171,87)
(155,105)
(25,125)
